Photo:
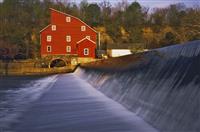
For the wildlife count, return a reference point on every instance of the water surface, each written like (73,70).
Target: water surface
(17,94)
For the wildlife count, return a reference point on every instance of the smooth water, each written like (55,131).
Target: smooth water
(17,94)
(73,105)
(163,88)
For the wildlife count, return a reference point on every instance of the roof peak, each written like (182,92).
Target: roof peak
(85,39)
(73,17)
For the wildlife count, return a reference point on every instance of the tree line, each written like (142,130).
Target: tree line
(125,23)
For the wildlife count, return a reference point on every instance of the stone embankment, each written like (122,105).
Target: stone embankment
(20,68)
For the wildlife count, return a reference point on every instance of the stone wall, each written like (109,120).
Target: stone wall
(29,68)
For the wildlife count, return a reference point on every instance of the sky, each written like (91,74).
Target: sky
(153,3)
(148,3)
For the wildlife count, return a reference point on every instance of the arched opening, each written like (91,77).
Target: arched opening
(57,63)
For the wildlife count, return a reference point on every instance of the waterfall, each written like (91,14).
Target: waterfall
(163,87)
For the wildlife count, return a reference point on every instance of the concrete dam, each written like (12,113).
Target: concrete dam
(161,86)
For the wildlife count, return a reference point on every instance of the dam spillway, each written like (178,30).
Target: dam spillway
(64,103)
(162,86)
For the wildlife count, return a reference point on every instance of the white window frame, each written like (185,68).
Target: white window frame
(49,49)
(86,51)
(49,38)
(68,19)
(88,37)
(68,49)
(68,38)
(83,28)
(53,27)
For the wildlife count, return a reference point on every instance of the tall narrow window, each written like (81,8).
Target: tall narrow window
(83,28)
(68,49)
(53,27)
(68,19)
(68,38)
(86,51)
(49,38)
(48,48)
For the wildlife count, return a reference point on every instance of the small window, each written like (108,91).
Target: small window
(68,19)
(86,51)
(88,37)
(68,49)
(68,38)
(53,27)
(48,48)
(49,38)
(83,28)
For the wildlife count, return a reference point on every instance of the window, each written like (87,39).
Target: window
(49,38)
(83,28)
(68,38)
(68,48)
(53,27)
(68,19)
(88,37)
(48,48)
(86,51)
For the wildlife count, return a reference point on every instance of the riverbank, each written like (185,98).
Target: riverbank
(28,68)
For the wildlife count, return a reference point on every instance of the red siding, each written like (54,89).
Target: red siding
(64,28)
(86,44)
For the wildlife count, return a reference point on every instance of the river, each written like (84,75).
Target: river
(62,103)
(16,95)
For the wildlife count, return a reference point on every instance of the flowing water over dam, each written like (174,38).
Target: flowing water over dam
(160,91)
(163,87)
(69,105)
(16,95)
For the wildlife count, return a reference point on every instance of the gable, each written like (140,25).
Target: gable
(44,29)
(85,40)
(58,17)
